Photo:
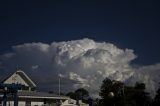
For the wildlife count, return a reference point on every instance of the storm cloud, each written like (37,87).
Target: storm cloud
(79,63)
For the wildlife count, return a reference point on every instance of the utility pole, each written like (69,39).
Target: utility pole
(59,85)
(59,89)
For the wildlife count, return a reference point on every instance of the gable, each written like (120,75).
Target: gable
(21,78)
(15,78)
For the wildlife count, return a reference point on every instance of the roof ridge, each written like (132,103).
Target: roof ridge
(20,71)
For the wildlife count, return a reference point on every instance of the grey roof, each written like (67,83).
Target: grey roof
(34,94)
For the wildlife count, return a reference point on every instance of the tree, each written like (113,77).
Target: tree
(82,94)
(71,95)
(79,94)
(137,96)
(141,97)
(157,98)
(111,93)
(117,94)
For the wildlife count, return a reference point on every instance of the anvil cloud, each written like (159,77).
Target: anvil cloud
(79,63)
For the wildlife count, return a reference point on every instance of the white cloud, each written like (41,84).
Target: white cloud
(35,67)
(82,63)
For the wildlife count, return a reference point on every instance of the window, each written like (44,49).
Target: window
(28,103)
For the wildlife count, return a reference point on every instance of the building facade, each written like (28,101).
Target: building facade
(27,94)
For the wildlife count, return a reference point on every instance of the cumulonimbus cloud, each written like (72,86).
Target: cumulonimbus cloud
(80,63)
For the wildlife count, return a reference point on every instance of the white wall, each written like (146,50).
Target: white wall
(23,103)
(37,103)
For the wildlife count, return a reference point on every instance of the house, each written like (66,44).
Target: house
(27,94)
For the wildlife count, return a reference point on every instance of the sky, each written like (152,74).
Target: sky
(37,32)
